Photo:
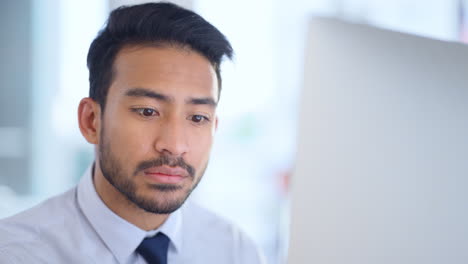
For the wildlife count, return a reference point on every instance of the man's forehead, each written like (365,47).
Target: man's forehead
(163,55)
(164,70)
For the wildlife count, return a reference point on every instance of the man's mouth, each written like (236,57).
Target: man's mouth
(166,174)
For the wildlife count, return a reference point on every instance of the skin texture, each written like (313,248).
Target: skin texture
(154,137)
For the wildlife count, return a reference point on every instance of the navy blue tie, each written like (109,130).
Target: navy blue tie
(154,249)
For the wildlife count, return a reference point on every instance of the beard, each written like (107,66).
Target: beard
(166,199)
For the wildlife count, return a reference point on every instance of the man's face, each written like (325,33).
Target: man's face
(158,125)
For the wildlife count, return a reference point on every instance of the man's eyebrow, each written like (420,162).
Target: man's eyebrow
(143,92)
(203,101)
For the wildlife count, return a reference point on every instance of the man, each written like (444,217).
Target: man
(154,87)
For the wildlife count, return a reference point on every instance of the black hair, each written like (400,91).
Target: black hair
(152,24)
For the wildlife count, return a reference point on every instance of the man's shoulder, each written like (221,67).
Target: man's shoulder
(31,225)
(218,234)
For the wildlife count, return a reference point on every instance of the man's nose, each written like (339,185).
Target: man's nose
(172,138)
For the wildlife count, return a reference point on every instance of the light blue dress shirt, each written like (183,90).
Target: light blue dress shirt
(77,227)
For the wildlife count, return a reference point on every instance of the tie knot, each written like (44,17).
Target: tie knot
(154,249)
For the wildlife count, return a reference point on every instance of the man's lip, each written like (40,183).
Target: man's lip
(166,175)
(166,171)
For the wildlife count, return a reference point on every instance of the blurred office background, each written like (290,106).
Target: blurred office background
(43,76)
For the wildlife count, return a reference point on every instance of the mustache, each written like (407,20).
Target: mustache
(168,161)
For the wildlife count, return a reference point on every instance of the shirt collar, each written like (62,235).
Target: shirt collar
(121,237)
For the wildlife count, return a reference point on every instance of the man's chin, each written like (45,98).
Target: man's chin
(163,201)
(166,187)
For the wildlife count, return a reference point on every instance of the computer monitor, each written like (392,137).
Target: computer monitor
(382,161)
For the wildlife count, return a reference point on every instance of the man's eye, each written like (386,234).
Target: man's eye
(147,112)
(198,118)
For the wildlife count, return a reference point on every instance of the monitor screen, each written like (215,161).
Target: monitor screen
(382,161)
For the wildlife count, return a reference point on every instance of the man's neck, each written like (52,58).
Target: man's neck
(121,206)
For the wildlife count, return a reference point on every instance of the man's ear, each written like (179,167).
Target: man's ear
(89,120)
